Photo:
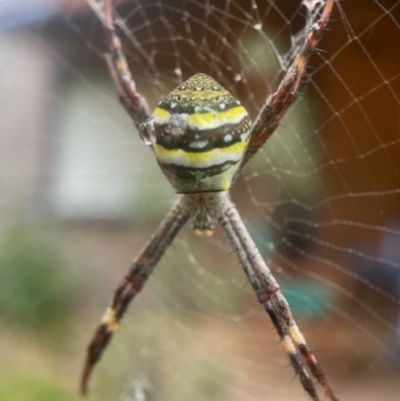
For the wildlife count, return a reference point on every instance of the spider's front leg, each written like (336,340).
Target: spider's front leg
(140,270)
(134,103)
(273,301)
(277,104)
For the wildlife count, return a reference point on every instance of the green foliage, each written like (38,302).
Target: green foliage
(151,199)
(212,381)
(32,389)
(34,288)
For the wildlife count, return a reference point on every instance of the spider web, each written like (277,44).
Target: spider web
(321,199)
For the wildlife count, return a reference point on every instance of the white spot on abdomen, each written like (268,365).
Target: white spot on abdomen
(198,144)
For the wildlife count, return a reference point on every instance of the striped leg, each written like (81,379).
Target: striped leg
(270,296)
(140,270)
(277,104)
(134,103)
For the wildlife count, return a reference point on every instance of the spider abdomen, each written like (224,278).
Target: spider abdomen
(199,134)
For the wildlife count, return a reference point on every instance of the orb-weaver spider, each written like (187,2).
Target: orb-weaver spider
(202,137)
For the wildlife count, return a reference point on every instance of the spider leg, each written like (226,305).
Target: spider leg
(139,271)
(277,104)
(269,295)
(134,103)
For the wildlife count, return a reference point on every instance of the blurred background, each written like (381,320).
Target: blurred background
(80,194)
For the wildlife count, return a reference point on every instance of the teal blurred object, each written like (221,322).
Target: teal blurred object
(308,299)
(35,290)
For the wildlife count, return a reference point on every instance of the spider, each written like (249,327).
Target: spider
(202,137)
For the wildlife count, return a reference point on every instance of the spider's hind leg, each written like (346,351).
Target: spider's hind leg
(280,322)
(315,368)
(140,270)
(273,301)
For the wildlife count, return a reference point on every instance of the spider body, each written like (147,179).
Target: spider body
(202,137)
(199,134)
(204,209)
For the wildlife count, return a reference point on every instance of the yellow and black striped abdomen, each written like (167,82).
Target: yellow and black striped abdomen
(199,133)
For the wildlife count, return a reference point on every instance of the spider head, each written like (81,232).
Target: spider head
(199,134)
